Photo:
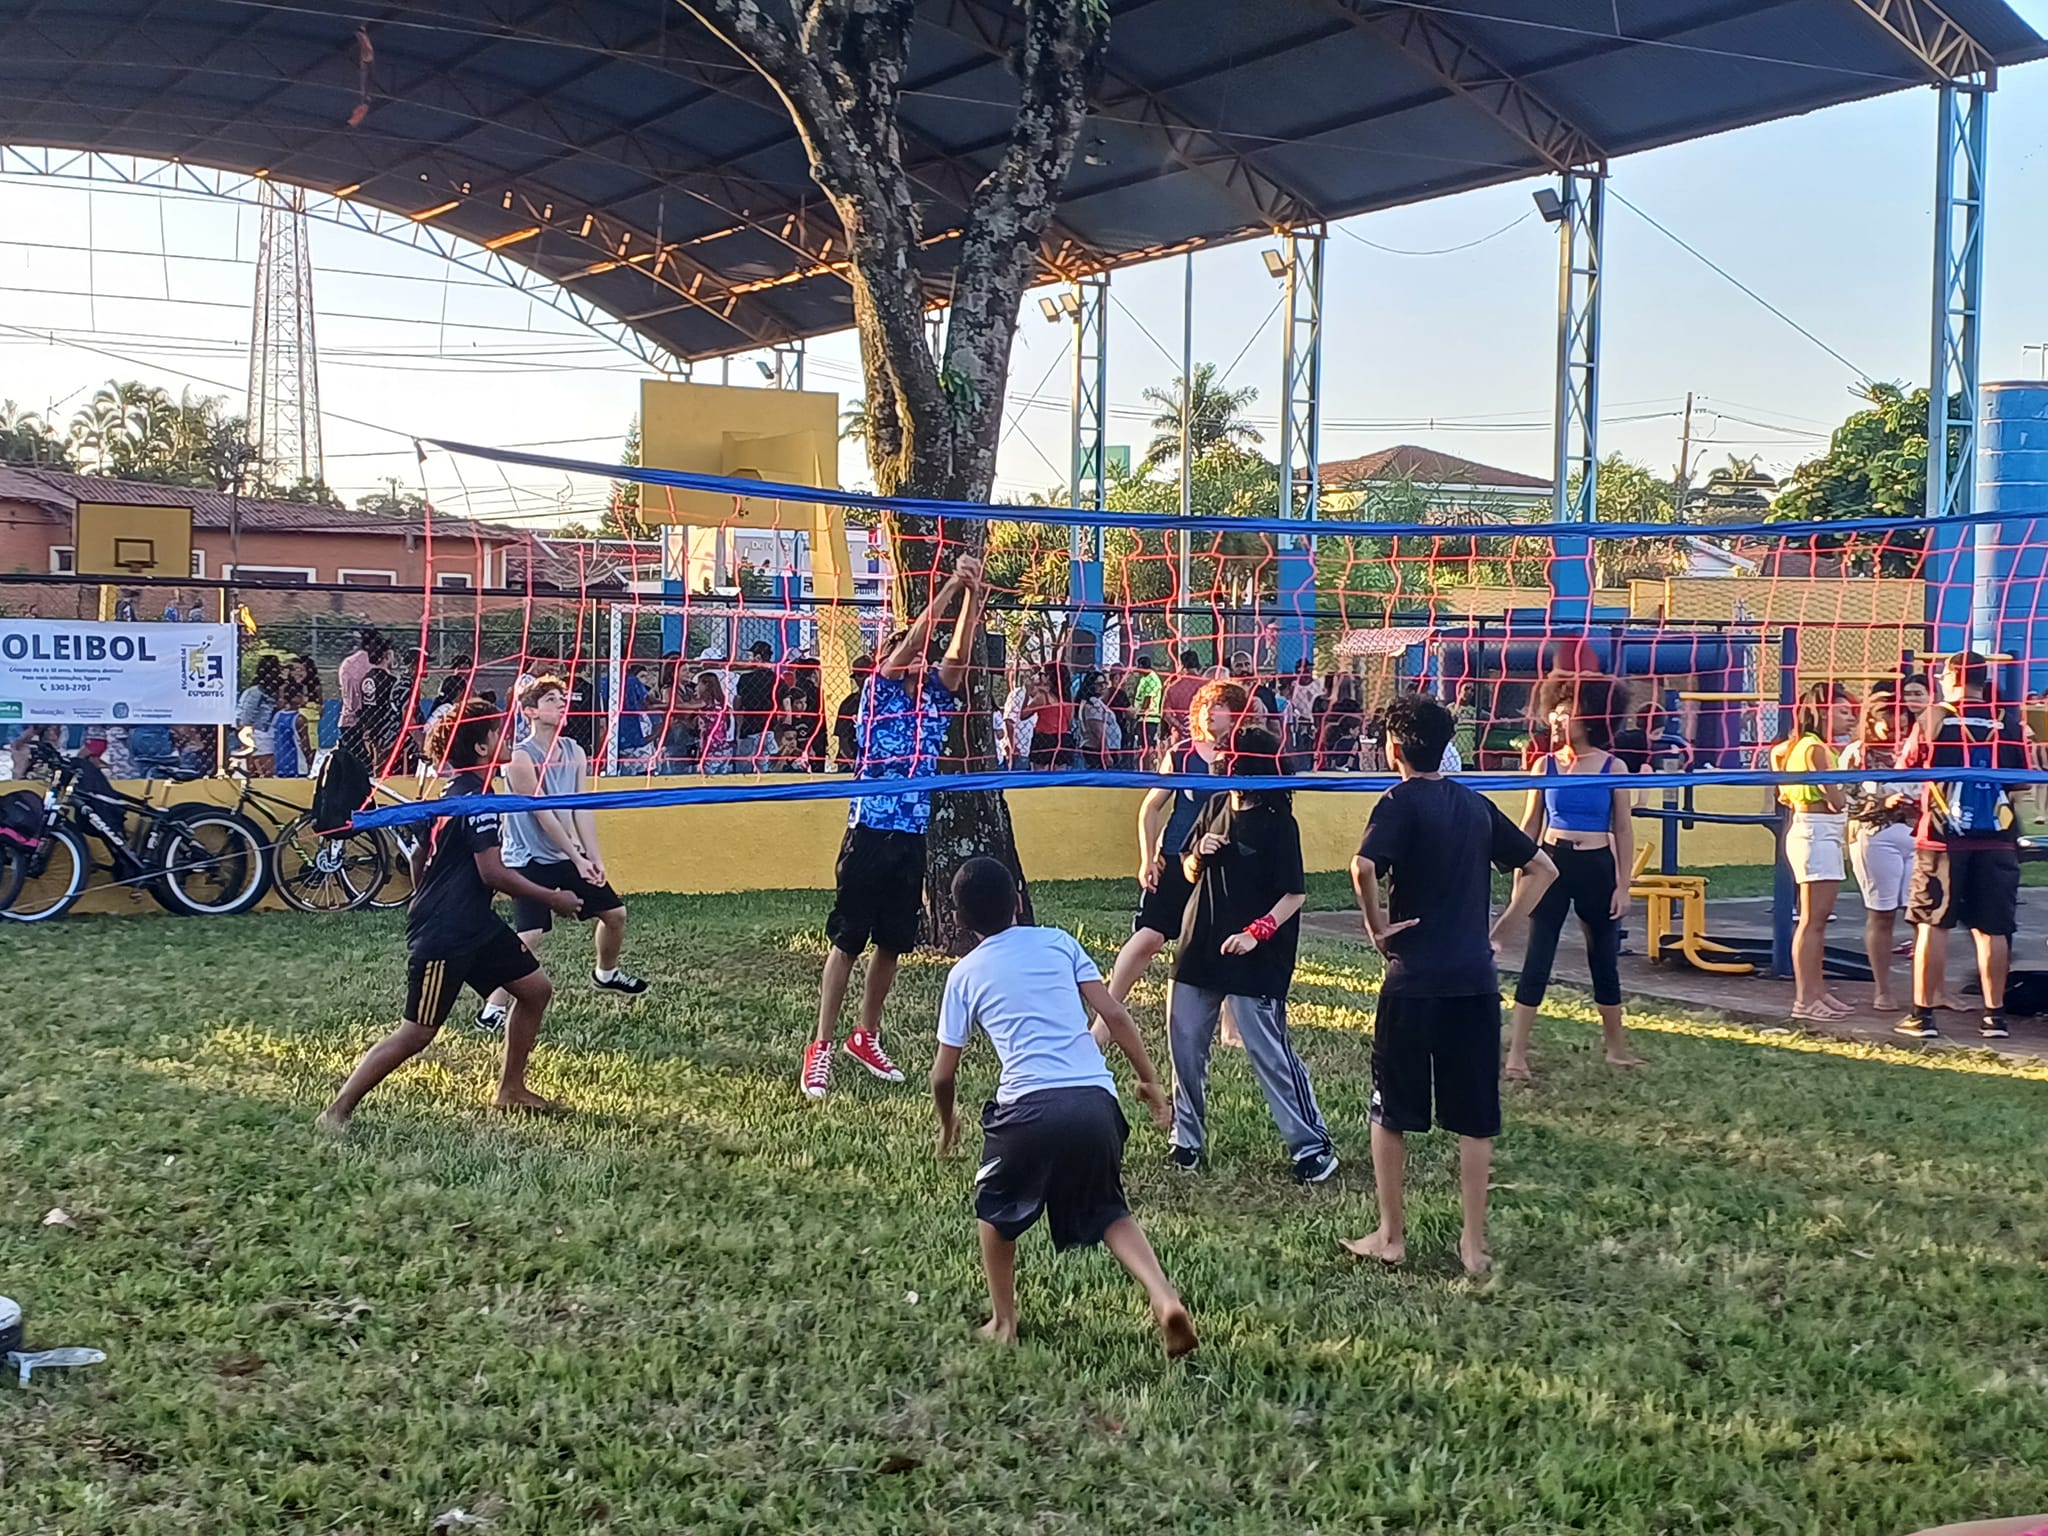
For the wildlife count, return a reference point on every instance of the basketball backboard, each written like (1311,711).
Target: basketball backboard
(748,434)
(116,539)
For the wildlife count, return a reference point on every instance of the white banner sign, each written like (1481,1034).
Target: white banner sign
(58,673)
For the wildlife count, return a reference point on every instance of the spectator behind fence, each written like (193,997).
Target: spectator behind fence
(348,679)
(1096,734)
(753,703)
(256,717)
(1148,706)
(1180,692)
(1881,812)
(714,725)
(1813,842)
(292,743)
(845,740)
(1966,862)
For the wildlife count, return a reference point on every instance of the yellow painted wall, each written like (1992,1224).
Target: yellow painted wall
(1062,834)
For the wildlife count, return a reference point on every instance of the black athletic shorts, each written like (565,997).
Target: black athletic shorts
(1163,910)
(880,893)
(530,916)
(432,983)
(1059,1151)
(1445,1048)
(1975,888)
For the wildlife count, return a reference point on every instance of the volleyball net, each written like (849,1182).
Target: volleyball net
(721,656)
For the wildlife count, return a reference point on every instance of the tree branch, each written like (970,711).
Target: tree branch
(1058,53)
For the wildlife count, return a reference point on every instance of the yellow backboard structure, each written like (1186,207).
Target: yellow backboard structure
(783,435)
(786,435)
(116,539)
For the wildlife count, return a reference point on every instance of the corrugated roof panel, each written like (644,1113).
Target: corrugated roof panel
(1214,118)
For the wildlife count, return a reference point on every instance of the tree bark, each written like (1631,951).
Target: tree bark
(932,423)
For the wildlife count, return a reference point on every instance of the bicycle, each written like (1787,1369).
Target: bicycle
(337,872)
(399,844)
(195,860)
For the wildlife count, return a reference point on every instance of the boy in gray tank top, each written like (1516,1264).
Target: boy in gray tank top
(557,850)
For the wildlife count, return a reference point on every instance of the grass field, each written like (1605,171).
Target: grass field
(1772,1284)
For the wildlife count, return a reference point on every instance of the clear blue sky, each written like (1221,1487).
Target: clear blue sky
(1827,216)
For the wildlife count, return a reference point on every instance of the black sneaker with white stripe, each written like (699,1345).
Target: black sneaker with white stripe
(1993,1027)
(491,1020)
(1314,1167)
(621,982)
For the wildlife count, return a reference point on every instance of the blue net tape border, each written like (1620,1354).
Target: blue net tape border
(829,787)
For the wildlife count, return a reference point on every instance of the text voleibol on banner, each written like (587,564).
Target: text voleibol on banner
(60,672)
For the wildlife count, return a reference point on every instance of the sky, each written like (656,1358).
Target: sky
(1440,324)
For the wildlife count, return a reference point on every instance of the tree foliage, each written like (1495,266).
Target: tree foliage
(136,431)
(1215,418)
(1875,466)
(26,438)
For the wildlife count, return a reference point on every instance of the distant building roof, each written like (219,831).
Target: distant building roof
(1424,467)
(61,491)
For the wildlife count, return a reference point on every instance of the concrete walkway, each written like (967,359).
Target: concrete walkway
(1766,1000)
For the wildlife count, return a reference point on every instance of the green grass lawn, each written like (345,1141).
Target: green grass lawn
(1772,1284)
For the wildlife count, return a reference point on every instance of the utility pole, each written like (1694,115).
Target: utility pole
(1681,483)
(2042,348)
(284,357)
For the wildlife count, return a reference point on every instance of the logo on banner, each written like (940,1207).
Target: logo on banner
(10,709)
(205,673)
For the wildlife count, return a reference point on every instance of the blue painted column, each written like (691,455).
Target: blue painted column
(2012,476)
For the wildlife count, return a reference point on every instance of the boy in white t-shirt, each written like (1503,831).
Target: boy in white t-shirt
(1053,1136)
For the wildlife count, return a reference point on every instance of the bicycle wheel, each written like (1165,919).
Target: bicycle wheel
(396,890)
(53,879)
(326,874)
(211,863)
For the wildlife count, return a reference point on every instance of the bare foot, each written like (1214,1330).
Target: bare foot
(1388,1250)
(1477,1260)
(1836,1002)
(527,1102)
(332,1121)
(1626,1058)
(1177,1331)
(1518,1072)
(1883,1004)
(997,1331)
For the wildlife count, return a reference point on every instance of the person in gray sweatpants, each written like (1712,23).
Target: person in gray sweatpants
(1236,952)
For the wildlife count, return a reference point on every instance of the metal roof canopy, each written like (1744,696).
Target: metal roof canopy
(617,148)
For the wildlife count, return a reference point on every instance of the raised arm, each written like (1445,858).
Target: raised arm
(960,649)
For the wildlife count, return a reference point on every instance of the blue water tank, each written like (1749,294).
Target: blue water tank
(2012,477)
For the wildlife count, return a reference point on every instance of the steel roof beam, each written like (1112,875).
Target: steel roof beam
(1944,50)
(1468,73)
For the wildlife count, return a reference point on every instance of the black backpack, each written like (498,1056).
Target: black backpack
(343,789)
(21,821)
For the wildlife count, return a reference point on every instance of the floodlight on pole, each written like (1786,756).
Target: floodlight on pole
(1276,264)
(1050,308)
(1549,204)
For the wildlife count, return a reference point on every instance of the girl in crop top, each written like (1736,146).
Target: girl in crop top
(1586,830)
(1881,813)
(1814,841)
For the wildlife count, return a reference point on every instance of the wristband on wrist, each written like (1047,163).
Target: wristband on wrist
(1262,928)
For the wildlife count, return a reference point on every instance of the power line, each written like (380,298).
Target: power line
(1862,374)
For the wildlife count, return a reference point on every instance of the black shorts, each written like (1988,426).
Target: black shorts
(1442,1047)
(1164,910)
(530,916)
(1059,1151)
(433,982)
(880,892)
(1975,888)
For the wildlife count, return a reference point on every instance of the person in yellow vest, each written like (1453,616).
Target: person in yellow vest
(1814,841)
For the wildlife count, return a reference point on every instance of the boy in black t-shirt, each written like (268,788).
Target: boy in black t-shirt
(1236,953)
(454,938)
(1437,1031)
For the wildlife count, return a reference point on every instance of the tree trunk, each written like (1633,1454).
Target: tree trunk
(932,423)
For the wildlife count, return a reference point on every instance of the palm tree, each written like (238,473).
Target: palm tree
(1214,416)
(853,421)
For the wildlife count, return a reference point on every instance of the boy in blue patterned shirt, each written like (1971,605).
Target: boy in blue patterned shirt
(905,711)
